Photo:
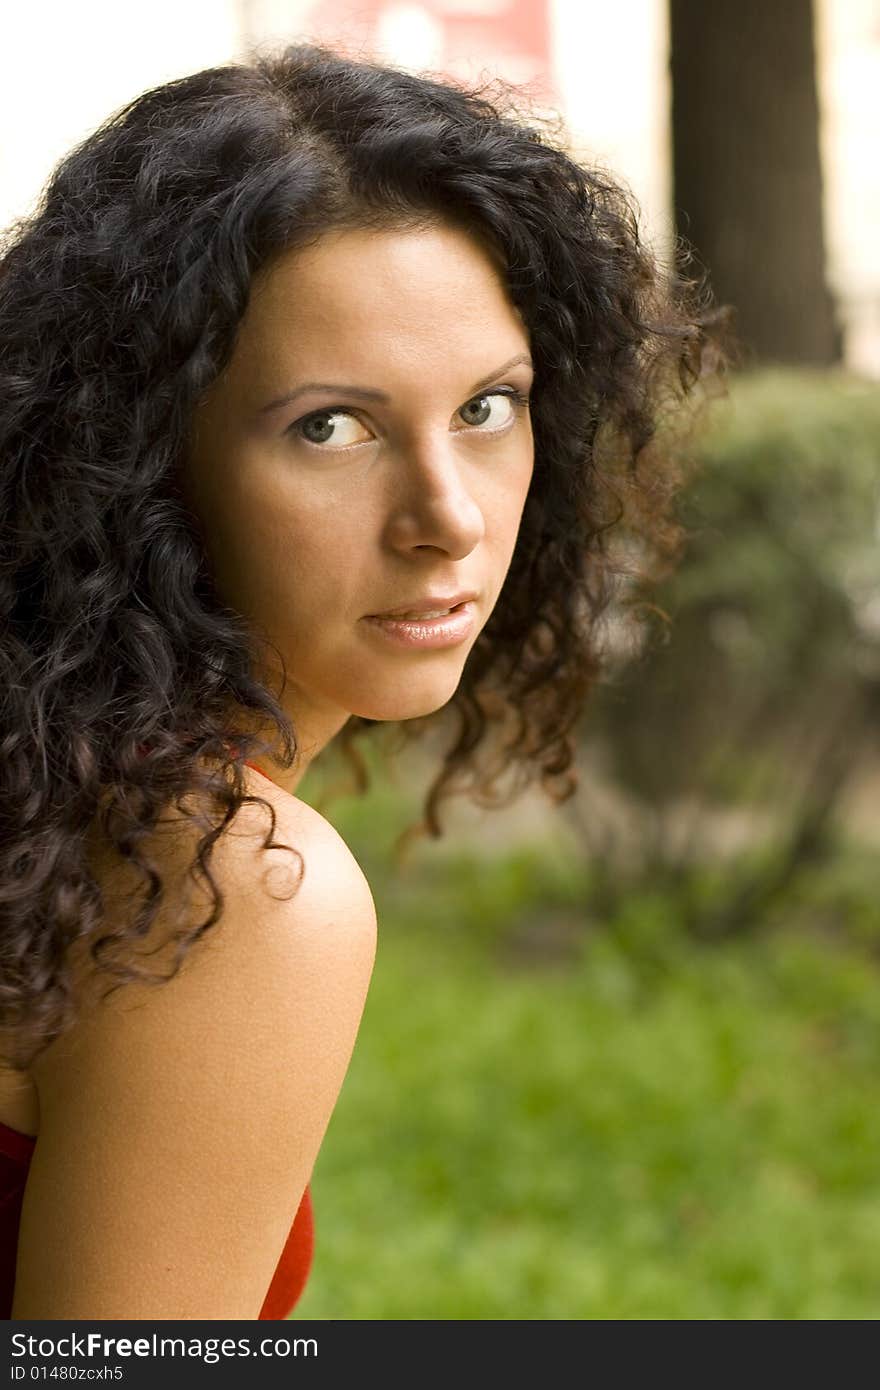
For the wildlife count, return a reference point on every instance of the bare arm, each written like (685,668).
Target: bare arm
(180,1122)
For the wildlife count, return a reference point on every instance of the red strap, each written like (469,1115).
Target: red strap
(292,1269)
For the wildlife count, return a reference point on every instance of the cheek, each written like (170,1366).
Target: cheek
(307,565)
(510,499)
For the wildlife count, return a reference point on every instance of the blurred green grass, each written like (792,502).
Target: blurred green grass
(581,1135)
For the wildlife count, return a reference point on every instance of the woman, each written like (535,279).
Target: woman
(322,387)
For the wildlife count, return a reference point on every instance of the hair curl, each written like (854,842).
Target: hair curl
(125,683)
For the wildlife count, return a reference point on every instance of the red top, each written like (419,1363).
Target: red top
(16,1150)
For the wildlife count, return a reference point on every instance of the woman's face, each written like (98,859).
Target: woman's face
(361,453)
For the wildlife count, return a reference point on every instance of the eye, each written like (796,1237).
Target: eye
(479,410)
(322,427)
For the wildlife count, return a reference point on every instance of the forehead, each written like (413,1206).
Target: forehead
(353,294)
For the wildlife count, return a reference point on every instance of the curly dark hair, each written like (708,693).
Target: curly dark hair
(126,683)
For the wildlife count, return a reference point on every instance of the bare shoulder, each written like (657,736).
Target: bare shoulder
(302,904)
(179,1122)
(330,871)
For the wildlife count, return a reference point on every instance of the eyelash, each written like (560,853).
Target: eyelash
(519,398)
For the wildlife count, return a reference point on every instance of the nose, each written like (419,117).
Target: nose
(434,502)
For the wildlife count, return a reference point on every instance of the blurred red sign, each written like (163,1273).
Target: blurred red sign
(467,39)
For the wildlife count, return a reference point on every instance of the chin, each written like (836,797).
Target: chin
(406,703)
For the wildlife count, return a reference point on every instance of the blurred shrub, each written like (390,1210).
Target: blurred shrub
(718,757)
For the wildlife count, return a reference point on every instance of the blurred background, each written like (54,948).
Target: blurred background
(621,1057)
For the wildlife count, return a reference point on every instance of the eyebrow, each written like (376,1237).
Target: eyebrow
(369,393)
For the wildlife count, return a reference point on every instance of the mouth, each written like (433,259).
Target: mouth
(428,606)
(429,627)
(420,615)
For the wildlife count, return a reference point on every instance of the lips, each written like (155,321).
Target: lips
(429,606)
(421,616)
(427,634)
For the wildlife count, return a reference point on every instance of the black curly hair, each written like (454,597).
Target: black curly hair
(125,683)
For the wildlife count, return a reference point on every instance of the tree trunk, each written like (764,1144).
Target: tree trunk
(747,175)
